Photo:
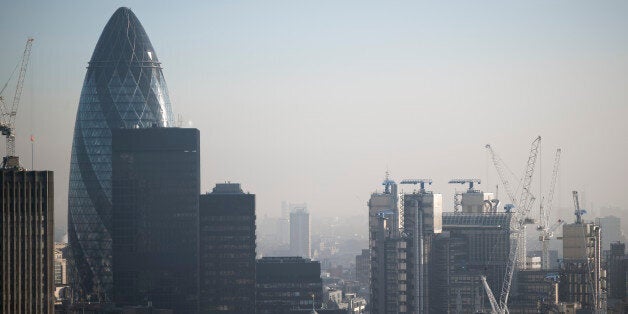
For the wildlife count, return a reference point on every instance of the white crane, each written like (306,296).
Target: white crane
(8,114)
(547,231)
(518,220)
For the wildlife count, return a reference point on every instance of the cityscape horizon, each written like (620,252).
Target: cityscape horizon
(359,157)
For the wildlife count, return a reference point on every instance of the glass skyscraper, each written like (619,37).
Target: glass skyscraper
(124,88)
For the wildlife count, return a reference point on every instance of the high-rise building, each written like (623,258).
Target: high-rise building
(402,228)
(581,270)
(300,242)
(283,225)
(387,250)
(284,284)
(26,272)
(423,212)
(611,230)
(227,250)
(472,245)
(60,265)
(156,187)
(616,273)
(123,88)
(363,267)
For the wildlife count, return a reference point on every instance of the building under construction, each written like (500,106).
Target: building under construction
(402,228)
(581,270)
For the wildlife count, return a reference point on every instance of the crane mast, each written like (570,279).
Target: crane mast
(8,114)
(546,231)
(518,220)
(499,166)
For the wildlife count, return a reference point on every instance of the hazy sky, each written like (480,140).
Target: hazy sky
(311,101)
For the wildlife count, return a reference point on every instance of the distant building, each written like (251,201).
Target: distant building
(611,230)
(26,249)
(284,284)
(60,265)
(227,250)
(283,225)
(300,241)
(363,267)
(156,187)
(553,257)
(616,273)
(581,270)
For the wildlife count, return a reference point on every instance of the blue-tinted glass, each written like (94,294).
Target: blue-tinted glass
(123,88)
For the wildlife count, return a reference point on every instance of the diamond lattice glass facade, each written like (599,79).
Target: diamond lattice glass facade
(124,88)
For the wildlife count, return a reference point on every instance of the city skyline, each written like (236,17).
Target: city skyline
(298,95)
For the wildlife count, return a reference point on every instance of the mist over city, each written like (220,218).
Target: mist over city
(314,156)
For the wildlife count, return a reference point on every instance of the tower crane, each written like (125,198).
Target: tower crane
(420,182)
(8,114)
(578,211)
(471,182)
(517,226)
(499,166)
(547,232)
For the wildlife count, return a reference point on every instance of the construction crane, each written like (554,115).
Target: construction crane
(519,212)
(491,297)
(8,114)
(466,181)
(578,211)
(500,166)
(387,183)
(421,182)
(546,231)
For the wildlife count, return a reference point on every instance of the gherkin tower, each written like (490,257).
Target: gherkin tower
(124,87)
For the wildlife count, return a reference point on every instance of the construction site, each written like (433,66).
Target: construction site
(477,259)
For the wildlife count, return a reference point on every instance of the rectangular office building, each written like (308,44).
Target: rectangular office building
(227,250)
(285,284)
(156,184)
(26,272)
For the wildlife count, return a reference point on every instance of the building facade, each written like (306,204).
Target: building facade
(581,266)
(387,252)
(26,242)
(285,284)
(60,265)
(227,250)
(300,237)
(472,245)
(156,187)
(123,88)
(363,267)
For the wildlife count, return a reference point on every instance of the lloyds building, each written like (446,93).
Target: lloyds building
(124,87)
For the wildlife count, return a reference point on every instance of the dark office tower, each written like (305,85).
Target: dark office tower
(124,88)
(472,245)
(287,283)
(227,250)
(26,273)
(156,183)
(616,274)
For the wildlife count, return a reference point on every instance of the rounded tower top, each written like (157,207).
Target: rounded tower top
(123,40)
